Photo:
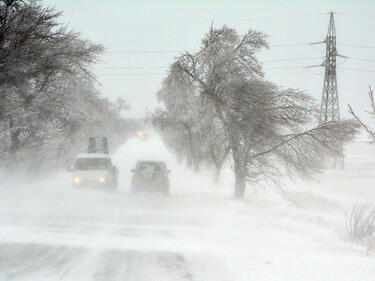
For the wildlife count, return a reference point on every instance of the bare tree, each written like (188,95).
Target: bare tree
(370,132)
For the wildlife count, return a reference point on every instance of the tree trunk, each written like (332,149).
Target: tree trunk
(240,176)
(179,158)
(217,174)
(14,141)
(189,161)
(196,165)
(240,185)
(240,181)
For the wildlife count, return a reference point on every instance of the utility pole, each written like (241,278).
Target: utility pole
(329,108)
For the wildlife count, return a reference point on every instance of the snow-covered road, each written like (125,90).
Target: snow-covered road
(50,232)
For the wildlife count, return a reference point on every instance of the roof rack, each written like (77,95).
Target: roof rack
(98,145)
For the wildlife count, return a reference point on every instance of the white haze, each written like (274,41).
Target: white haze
(48,231)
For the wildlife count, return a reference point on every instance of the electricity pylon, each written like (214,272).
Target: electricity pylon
(329,108)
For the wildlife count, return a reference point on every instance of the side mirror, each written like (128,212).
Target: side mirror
(70,168)
(168,171)
(132,170)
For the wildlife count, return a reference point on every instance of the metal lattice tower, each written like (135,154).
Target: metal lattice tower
(329,109)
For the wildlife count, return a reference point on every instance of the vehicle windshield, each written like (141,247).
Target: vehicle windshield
(92,164)
(149,166)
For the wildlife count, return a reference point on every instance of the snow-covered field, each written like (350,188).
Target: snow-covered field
(50,232)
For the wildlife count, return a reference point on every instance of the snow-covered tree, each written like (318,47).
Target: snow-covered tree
(264,126)
(48,102)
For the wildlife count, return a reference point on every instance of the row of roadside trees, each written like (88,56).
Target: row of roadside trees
(48,101)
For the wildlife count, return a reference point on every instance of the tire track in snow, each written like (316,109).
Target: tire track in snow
(42,262)
(33,261)
(116,265)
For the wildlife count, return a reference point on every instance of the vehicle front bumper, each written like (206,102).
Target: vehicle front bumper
(91,183)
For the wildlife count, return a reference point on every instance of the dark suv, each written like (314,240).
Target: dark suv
(150,176)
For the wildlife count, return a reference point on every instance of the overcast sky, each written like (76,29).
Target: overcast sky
(142,39)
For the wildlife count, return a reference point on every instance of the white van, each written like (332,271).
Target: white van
(94,170)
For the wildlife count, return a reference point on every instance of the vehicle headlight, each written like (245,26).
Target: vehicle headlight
(77,180)
(102,179)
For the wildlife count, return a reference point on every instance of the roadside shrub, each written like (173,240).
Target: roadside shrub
(360,224)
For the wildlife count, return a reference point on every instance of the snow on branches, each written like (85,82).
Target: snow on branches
(47,96)
(219,100)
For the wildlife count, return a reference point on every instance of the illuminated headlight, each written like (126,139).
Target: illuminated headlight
(77,180)
(102,180)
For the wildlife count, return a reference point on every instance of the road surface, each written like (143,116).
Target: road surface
(48,231)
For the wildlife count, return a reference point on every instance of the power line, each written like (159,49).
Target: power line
(356,15)
(194,50)
(132,67)
(291,59)
(356,69)
(132,74)
(265,62)
(200,22)
(271,68)
(191,50)
(285,67)
(289,45)
(164,67)
(315,43)
(161,73)
(283,17)
(362,59)
(150,51)
(357,46)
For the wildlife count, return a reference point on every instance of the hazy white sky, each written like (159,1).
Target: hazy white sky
(142,39)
